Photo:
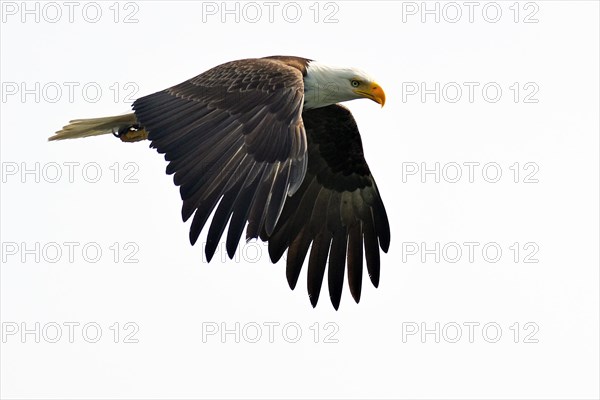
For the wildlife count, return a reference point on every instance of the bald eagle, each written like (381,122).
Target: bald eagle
(264,142)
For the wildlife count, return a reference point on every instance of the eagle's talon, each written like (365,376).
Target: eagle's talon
(131,133)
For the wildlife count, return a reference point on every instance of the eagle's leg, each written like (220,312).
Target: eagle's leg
(132,133)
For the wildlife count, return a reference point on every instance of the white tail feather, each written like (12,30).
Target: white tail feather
(79,128)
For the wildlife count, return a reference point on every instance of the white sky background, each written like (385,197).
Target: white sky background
(173,296)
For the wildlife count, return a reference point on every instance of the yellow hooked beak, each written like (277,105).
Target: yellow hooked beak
(375,93)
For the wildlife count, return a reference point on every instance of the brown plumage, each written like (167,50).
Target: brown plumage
(240,143)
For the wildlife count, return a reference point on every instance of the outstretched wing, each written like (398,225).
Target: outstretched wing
(337,208)
(233,133)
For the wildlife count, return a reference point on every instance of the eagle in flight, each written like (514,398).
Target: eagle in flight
(264,141)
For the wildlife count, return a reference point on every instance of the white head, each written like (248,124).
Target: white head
(325,85)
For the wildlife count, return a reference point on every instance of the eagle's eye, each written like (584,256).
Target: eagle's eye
(355,83)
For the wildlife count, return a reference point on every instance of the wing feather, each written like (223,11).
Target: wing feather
(355,260)
(316,265)
(235,141)
(296,256)
(337,262)
(338,208)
